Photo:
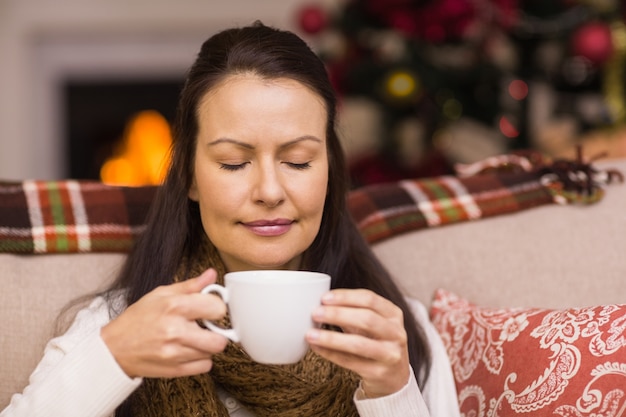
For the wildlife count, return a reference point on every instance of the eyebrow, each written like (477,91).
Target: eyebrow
(249,146)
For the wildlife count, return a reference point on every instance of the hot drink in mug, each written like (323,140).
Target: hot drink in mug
(270,311)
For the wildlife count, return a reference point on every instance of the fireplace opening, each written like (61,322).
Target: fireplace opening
(97,114)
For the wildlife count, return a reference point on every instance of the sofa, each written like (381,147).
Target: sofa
(523,275)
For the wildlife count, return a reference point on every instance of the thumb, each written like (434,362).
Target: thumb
(196,284)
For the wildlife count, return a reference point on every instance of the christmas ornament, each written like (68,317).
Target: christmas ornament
(593,41)
(312,19)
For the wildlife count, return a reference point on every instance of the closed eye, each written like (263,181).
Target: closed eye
(233,167)
(299,166)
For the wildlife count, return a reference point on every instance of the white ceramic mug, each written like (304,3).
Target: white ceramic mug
(270,311)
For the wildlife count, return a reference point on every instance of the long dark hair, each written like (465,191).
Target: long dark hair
(174,230)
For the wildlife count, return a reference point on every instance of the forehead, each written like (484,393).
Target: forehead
(249,107)
(251,84)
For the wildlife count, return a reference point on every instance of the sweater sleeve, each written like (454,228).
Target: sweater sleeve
(438,398)
(408,402)
(77,375)
(439,391)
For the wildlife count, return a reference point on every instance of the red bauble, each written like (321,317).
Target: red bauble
(593,41)
(312,19)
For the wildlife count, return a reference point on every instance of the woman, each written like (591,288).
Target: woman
(257,181)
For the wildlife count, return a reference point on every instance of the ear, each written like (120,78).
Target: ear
(193,191)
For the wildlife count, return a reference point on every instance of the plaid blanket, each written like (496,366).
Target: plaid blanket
(88,216)
(71,216)
(385,210)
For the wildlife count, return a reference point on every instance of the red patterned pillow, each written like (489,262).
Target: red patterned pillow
(530,361)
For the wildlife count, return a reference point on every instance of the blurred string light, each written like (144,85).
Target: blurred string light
(142,155)
(507,128)
(402,86)
(452,109)
(518,89)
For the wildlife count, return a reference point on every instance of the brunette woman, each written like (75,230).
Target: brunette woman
(257,181)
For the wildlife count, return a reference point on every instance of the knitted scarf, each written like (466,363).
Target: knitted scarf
(311,387)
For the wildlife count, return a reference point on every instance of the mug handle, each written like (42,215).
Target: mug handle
(223,292)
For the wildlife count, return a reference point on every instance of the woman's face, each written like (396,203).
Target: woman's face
(261,170)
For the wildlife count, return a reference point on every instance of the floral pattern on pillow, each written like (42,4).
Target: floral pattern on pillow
(532,361)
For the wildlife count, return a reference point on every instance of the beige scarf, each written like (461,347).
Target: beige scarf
(311,387)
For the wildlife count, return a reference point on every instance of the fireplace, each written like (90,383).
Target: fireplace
(97,114)
(88,88)
(47,46)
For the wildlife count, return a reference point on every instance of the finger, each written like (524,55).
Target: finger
(194,285)
(196,367)
(364,367)
(361,298)
(355,363)
(163,369)
(342,347)
(382,366)
(198,343)
(192,307)
(185,298)
(179,351)
(363,321)
(191,285)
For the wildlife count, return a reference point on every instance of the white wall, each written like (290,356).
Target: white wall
(42,40)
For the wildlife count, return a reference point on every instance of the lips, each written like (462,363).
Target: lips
(274,227)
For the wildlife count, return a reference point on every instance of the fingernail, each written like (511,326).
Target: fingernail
(327,297)
(318,313)
(313,334)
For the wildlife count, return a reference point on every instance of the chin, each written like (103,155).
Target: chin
(268,263)
(271,266)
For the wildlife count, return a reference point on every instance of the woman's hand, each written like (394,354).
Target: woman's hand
(158,335)
(373,343)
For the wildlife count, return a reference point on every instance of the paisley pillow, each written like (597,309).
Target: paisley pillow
(532,361)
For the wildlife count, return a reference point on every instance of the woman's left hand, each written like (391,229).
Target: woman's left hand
(373,343)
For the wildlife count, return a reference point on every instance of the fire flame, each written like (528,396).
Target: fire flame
(143,153)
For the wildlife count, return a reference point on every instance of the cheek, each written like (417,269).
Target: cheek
(216,215)
(316,195)
(216,200)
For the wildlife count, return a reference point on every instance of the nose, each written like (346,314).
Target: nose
(269,189)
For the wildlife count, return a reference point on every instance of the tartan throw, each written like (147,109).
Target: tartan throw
(88,216)
(382,211)
(71,216)
(494,186)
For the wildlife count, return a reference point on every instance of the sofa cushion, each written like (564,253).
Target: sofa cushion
(35,289)
(533,361)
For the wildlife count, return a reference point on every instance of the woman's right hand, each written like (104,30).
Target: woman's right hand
(158,336)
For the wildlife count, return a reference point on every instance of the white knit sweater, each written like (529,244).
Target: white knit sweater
(78,377)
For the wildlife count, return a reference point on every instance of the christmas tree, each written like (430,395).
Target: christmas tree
(452,81)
